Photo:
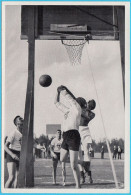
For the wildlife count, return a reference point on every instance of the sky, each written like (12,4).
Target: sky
(100,60)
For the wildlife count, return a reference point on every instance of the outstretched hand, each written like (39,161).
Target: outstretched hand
(61,88)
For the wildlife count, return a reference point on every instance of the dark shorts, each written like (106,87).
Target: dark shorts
(58,156)
(71,140)
(86,166)
(10,159)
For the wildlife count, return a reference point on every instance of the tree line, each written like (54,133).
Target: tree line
(44,139)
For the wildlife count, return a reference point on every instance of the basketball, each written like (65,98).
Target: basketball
(45,80)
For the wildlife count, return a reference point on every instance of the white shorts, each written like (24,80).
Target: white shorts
(85,135)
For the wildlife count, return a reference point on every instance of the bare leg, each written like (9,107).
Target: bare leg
(16,177)
(74,166)
(80,158)
(63,158)
(63,173)
(55,162)
(11,166)
(63,155)
(86,152)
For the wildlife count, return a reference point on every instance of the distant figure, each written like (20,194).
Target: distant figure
(48,153)
(34,150)
(114,152)
(43,149)
(102,152)
(119,152)
(39,150)
(90,151)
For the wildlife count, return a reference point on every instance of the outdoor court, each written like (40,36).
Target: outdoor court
(101,172)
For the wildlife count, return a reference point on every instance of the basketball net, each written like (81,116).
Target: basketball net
(74,50)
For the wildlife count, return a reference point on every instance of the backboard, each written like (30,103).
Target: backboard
(54,22)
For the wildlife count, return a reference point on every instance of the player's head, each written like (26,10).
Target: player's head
(82,102)
(58,132)
(91,104)
(18,121)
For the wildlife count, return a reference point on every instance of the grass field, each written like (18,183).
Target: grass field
(101,173)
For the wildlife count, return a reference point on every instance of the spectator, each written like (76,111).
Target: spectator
(119,152)
(114,152)
(102,152)
(43,150)
(90,151)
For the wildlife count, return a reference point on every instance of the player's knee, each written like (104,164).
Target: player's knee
(11,178)
(63,169)
(74,166)
(89,173)
(62,159)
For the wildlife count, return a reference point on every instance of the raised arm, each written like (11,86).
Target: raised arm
(57,98)
(69,97)
(59,105)
(63,88)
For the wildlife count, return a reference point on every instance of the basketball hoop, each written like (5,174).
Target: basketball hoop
(74,49)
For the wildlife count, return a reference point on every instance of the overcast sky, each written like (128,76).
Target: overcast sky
(103,57)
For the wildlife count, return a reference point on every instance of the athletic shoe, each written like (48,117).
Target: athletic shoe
(91,180)
(63,184)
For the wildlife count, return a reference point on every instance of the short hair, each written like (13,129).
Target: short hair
(58,130)
(92,104)
(16,119)
(82,102)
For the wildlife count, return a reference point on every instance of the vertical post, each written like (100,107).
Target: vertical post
(115,23)
(120,14)
(26,171)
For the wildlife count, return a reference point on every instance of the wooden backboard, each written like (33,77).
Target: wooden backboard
(102,21)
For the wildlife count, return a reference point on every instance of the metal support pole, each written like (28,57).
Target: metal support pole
(26,171)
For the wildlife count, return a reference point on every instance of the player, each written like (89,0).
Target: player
(86,117)
(13,148)
(55,153)
(71,136)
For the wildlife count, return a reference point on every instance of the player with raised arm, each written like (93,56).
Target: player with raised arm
(71,136)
